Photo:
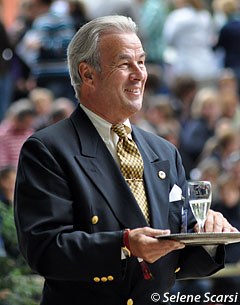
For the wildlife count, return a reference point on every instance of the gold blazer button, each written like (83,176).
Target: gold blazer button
(110,278)
(104,279)
(177,270)
(96,279)
(94,220)
(130,302)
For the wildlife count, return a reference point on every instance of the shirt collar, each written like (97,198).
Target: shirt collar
(103,127)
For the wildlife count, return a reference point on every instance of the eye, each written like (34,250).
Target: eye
(141,63)
(124,65)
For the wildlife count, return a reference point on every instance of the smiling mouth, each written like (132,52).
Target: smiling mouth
(134,91)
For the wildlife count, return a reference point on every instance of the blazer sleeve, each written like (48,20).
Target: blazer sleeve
(44,220)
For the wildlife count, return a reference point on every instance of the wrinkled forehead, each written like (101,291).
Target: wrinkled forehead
(119,46)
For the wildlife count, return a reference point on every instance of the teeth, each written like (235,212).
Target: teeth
(133,90)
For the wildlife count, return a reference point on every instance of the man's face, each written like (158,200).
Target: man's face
(119,87)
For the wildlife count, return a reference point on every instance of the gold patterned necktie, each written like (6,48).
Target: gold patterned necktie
(131,166)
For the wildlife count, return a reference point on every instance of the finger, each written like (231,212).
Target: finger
(163,248)
(218,222)
(227,227)
(234,230)
(209,223)
(148,232)
(155,232)
(196,228)
(167,243)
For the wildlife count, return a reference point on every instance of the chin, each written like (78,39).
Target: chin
(130,107)
(137,104)
(138,108)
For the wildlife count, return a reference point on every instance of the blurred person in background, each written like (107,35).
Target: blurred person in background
(189,34)
(151,21)
(223,126)
(229,36)
(205,112)
(229,206)
(234,166)
(170,131)
(222,147)
(12,137)
(6,54)
(11,111)
(227,81)
(154,82)
(160,116)
(219,17)
(99,8)
(42,100)
(78,13)
(229,97)
(23,81)
(182,92)
(62,108)
(158,111)
(43,48)
(22,22)
(230,106)
(59,7)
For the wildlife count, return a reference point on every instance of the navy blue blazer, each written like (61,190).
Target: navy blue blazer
(72,203)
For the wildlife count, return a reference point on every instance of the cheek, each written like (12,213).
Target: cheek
(111,89)
(114,82)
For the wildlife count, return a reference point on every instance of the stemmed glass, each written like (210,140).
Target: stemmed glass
(199,197)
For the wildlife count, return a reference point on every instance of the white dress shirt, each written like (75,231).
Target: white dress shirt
(103,127)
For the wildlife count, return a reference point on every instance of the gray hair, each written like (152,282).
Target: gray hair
(84,45)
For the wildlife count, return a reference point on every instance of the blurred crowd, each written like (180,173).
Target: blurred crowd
(191,98)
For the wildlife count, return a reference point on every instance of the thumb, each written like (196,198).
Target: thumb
(154,232)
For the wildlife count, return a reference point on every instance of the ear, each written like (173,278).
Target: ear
(86,72)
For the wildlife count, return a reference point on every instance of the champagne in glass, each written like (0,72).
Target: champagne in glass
(200,196)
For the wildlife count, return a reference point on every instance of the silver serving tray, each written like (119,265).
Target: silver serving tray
(203,238)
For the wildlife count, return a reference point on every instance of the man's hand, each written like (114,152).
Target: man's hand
(143,244)
(216,222)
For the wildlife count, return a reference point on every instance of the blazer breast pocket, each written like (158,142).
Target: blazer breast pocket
(175,216)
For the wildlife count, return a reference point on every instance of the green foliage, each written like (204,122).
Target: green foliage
(23,289)
(8,229)
(18,285)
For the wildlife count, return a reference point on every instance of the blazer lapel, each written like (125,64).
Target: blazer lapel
(101,168)
(157,182)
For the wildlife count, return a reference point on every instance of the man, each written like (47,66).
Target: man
(72,203)
(43,48)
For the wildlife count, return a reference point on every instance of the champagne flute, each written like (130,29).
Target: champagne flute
(200,196)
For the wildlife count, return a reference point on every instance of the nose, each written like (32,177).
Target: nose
(138,73)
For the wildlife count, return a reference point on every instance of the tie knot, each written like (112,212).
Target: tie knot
(120,130)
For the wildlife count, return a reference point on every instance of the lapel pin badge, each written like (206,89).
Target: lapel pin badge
(161,174)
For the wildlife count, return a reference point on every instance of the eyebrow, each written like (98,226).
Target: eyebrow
(126,56)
